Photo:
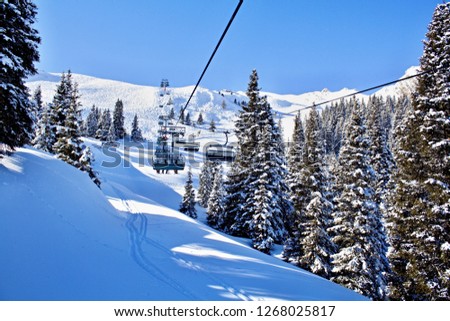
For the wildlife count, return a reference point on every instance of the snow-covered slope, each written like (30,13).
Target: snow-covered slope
(143,100)
(62,238)
(401,88)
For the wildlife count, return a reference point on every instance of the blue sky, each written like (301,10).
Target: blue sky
(297,46)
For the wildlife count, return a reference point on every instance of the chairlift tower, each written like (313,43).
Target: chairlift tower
(167,156)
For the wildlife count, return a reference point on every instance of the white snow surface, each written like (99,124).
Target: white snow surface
(62,238)
(144,101)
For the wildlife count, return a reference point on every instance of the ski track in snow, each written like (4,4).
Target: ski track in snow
(136,225)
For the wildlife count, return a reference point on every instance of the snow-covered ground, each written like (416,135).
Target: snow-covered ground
(144,101)
(62,238)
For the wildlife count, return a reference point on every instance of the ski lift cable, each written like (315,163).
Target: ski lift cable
(212,56)
(361,91)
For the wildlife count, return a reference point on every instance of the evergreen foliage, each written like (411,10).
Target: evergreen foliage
(37,107)
(136,134)
(215,210)
(212,126)
(256,203)
(172,113)
(359,263)
(187,205)
(18,53)
(309,245)
(206,182)
(92,120)
(419,229)
(42,138)
(118,120)
(104,125)
(187,120)
(200,120)
(380,157)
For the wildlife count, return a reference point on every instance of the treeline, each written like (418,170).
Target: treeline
(362,196)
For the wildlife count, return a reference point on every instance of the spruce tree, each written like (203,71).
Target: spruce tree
(187,120)
(418,224)
(111,136)
(18,52)
(36,108)
(182,117)
(267,204)
(200,120)
(43,138)
(212,126)
(86,160)
(238,181)
(118,120)
(187,205)
(206,182)
(68,144)
(359,261)
(60,106)
(310,246)
(91,123)
(104,125)
(380,157)
(136,134)
(256,204)
(215,209)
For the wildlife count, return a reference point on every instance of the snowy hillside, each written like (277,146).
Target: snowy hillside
(62,238)
(143,100)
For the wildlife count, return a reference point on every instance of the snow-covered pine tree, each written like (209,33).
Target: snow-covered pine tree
(36,108)
(233,201)
(86,160)
(118,120)
(359,261)
(182,117)
(172,113)
(187,120)
(295,164)
(212,126)
(295,153)
(215,209)
(418,221)
(187,205)
(91,123)
(43,135)
(103,125)
(60,106)
(136,134)
(206,182)
(68,144)
(200,120)
(382,162)
(266,203)
(238,180)
(111,137)
(380,156)
(18,53)
(402,107)
(309,245)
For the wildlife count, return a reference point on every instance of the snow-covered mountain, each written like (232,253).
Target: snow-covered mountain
(62,238)
(144,100)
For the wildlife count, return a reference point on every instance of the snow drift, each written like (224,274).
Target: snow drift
(62,238)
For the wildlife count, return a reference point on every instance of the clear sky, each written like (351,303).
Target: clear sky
(297,46)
